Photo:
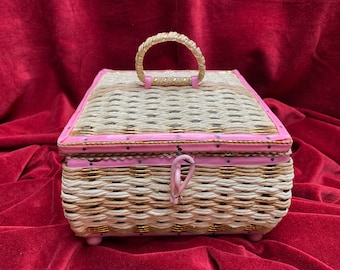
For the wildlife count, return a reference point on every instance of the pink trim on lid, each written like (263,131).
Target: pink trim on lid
(65,134)
(158,143)
(279,126)
(165,161)
(100,235)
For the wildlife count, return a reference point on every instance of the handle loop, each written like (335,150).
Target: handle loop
(169,81)
(176,185)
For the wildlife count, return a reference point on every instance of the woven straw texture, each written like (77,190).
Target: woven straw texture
(120,105)
(165,37)
(136,199)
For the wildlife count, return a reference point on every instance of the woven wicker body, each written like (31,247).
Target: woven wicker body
(103,196)
(181,159)
(136,199)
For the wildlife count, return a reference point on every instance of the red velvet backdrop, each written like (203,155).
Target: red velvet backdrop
(50,51)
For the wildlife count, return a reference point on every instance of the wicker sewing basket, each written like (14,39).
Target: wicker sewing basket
(174,154)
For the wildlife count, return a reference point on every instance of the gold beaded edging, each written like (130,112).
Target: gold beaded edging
(125,155)
(214,228)
(165,37)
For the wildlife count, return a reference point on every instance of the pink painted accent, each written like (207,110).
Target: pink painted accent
(147,82)
(65,135)
(194,81)
(281,130)
(164,161)
(174,137)
(164,147)
(176,185)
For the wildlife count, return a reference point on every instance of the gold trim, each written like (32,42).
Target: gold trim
(177,228)
(100,229)
(142,229)
(180,228)
(127,155)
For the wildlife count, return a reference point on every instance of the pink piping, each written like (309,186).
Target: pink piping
(164,161)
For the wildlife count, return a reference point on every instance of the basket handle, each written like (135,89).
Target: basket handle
(169,81)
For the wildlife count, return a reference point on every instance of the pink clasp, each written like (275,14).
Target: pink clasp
(176,185)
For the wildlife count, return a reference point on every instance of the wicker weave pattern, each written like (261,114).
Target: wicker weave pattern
(222,105)
(105,192)
(133,199)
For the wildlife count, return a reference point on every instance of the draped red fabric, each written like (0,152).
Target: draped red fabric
(50,51)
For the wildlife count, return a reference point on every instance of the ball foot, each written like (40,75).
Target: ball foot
(254,237)
(93,240)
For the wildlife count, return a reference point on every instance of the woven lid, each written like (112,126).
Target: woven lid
(180,108)
(222,104)
(117,109)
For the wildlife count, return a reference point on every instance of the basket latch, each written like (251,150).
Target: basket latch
(176,184)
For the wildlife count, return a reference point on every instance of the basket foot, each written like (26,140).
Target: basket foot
(254,237)
(93,240)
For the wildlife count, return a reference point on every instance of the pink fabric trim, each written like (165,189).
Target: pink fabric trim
(172,137)
(163,161)
(266,146)
(283,133)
